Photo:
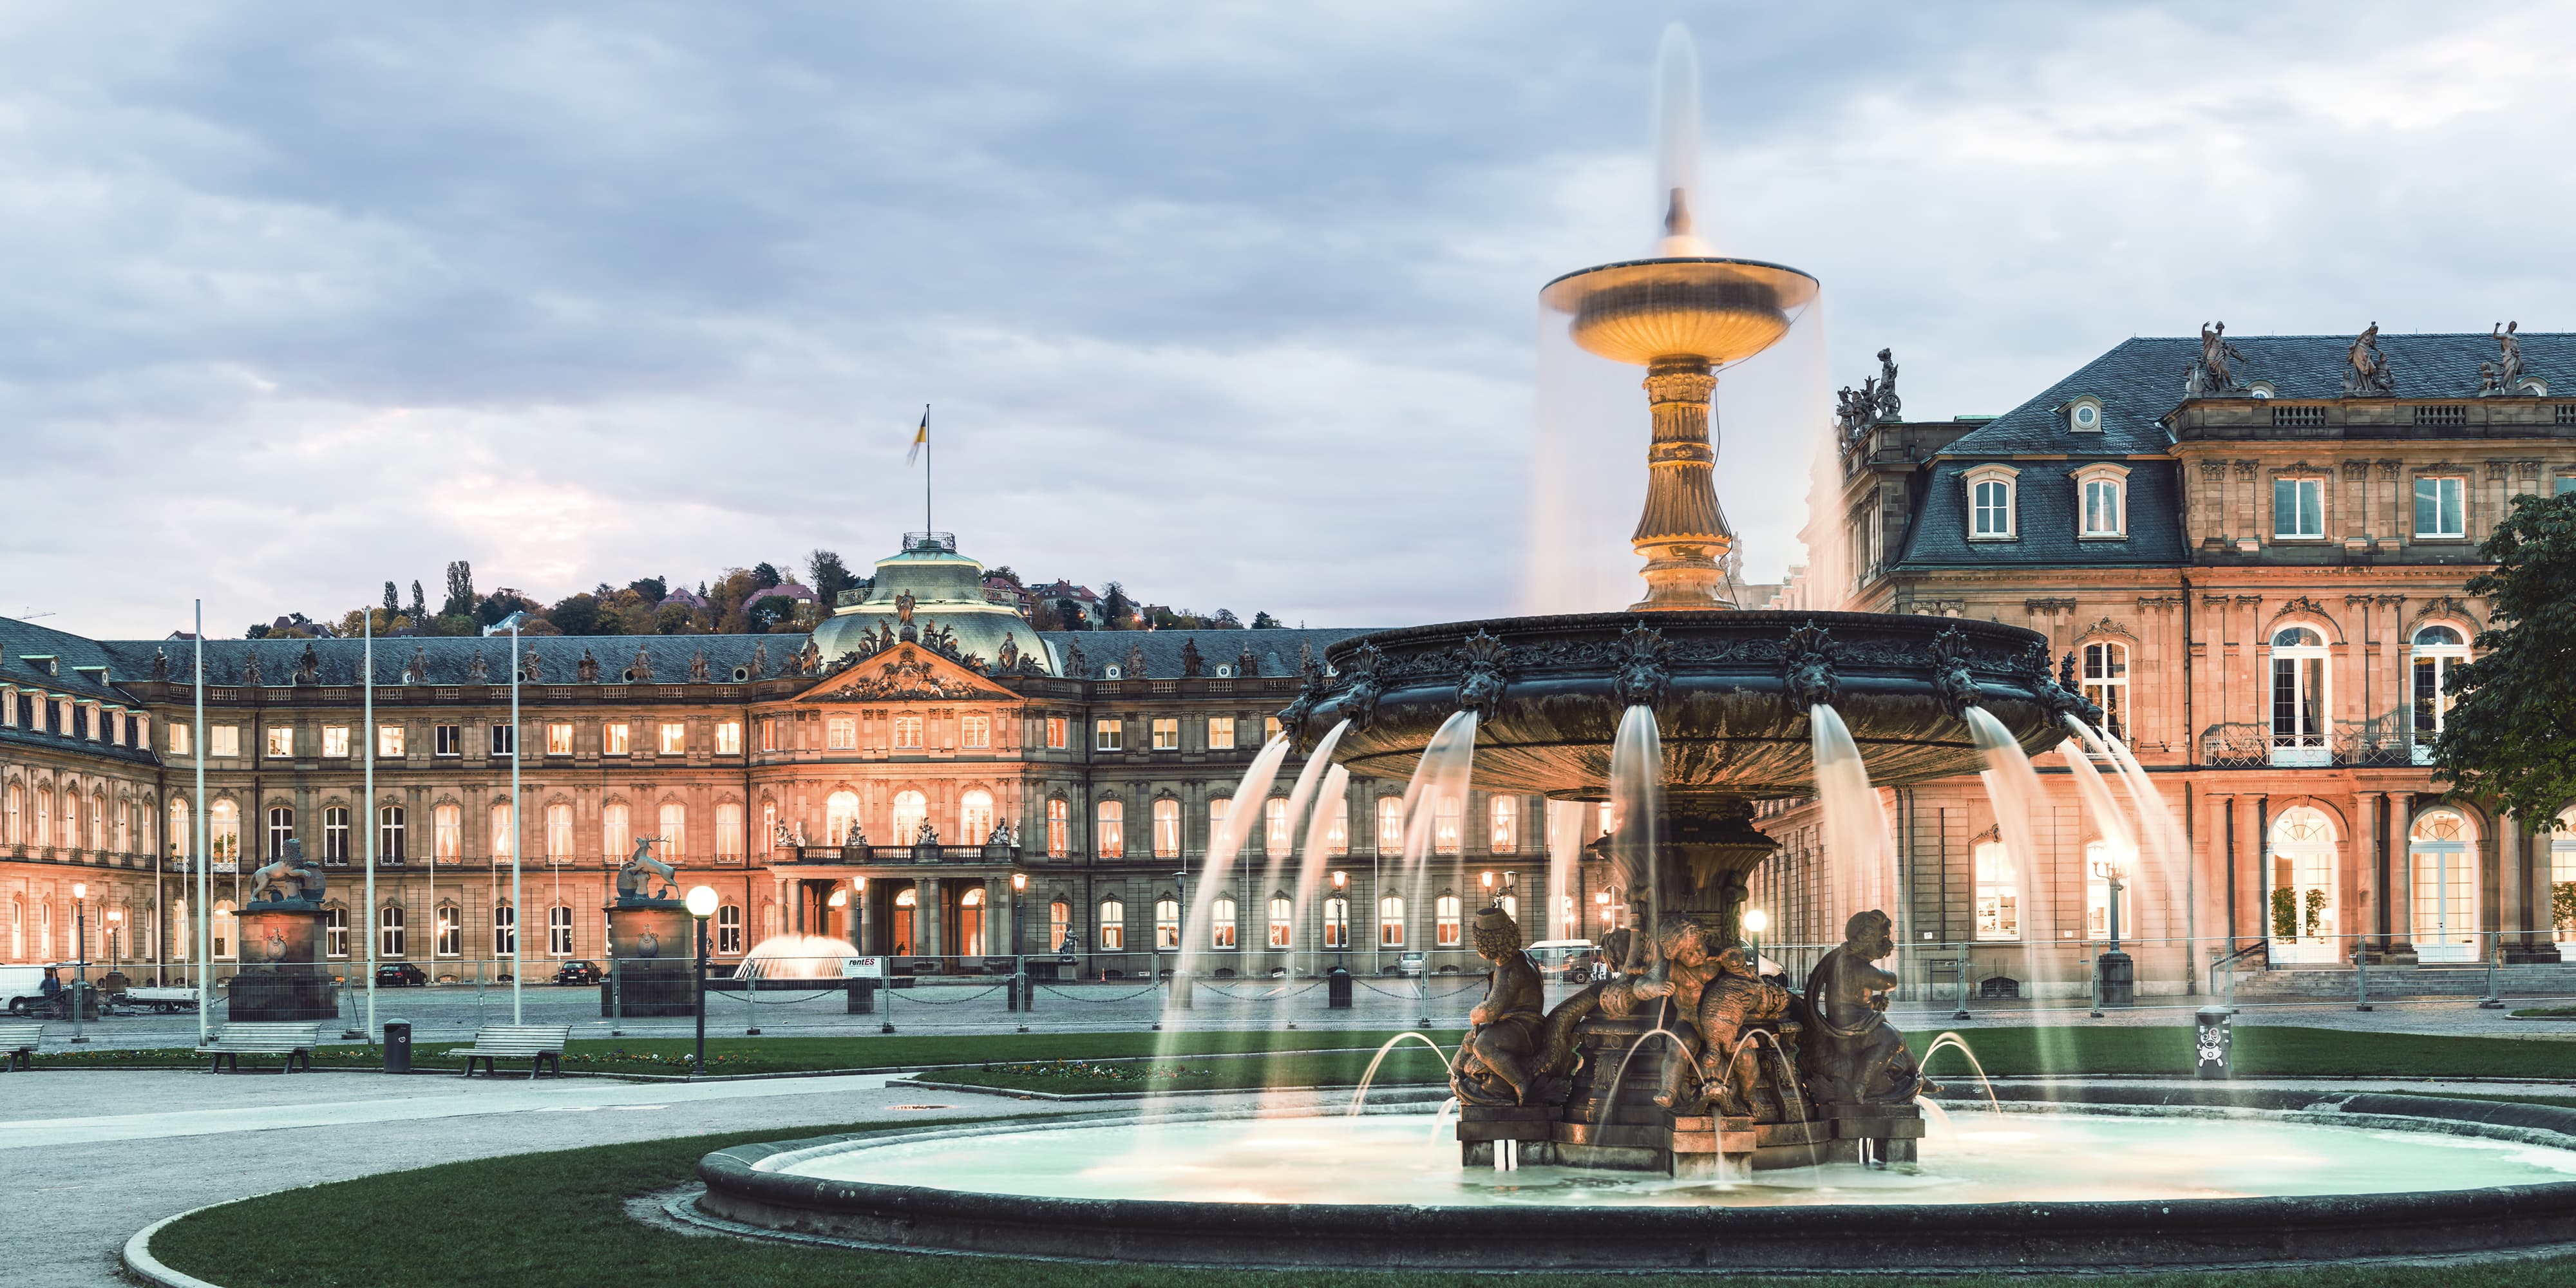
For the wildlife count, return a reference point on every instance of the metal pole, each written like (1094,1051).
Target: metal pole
(700,1067)
(205,885)
(367,811)
(80,962)
(2495,950)
(518,838)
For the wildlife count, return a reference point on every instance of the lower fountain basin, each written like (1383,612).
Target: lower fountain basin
(2024,1190)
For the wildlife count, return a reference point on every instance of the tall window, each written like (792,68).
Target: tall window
(1220,731)
(1167,733)
(223,740)
(559,832)
(1447,831)
(674,831)
(335,742)
(389,742)
(505,930)
(974,816)
(1221,922)
(1390,922)
(1445,930)
(335,835)
(911,810)
(907,733)
(1337,922)
(335,932)
(179,735)
(2443,848)
(1109,833)
(1113,925)
(616,831)
(11,831)
(1108,735)
(505,841)
(2562,876)
(2298,509)
(1506,837)
(841,733)
(729,738)
(1998,892)
(1167,923)
(2103,516)
(447,932)
(505,740)
(840,810)
(2298,697)
(559,739)
(1282,921)
(389,834)
(2441,508)
(675,738)
(389,930)
(1274,826)
(1059,828)
(2438,648)
(1055,733)
(447,832)
(281,742)
(729,929)
(975,733)
(1218,808)
(448,740)
(1990,509)
(1167,828)
(1337,832)
(559,930)
(2106,682)
(1390,825)
(281,829)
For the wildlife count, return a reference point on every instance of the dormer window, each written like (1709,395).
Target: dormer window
(2103,495)
(1991,503)
(2084,415)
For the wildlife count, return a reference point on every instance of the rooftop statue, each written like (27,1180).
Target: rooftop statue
(642,667)
(250,667)
(587,668)
(760,659)
(308,668)
(2366,371)
(2503,375)
(530,669)
(698,667)
(1888,405)
(478,669)
(2212,375)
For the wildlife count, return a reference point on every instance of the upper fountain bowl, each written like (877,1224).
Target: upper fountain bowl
(1730,691)
(1715,310)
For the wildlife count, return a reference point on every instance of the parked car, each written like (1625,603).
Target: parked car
(1408,966)
(577,972)
(400,975)
(1571,959)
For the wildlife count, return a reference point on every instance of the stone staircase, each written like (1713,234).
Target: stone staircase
(2391,983)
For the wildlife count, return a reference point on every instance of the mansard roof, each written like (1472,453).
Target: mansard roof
(76,660)
(2045,525)
(450,659)
(1276,652)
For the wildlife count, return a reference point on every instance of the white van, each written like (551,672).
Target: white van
(1567,959)
(22,987)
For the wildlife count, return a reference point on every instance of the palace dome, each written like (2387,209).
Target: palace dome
(946,589)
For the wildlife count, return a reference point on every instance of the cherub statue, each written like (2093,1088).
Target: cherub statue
(1682,976)
(1493,1064)
(1851,1054)
(1734,998)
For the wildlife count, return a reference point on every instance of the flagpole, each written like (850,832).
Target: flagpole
(926,525)
(367,811)
(205,889)
(518,839)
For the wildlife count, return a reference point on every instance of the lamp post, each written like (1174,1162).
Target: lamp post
(2115,975)
(1755,922)
(512,622)
(1342,942)
(1019,935)
(115,953)
(702,905)
(80,953)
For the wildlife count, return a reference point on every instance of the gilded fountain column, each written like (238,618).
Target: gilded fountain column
(1681,534)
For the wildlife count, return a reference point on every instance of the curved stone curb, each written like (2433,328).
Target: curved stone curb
(140,1262)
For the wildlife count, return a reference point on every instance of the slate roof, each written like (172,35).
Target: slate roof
(20,639)
(449,659)
(1276,651)
(2046,522)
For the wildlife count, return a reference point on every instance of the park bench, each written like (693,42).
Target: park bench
(541,1045)
(18,1045)
(233,1041)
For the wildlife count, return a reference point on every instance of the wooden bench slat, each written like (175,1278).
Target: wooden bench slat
(538,1044)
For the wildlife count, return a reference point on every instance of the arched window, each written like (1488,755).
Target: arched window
(559,930)
(616,832)
(1167,828)
(970,922)
(1059,828)
(729,930)
(15,821)
(911,810)
(1998,892)
(223,840)
(1282,921)
(2300,697)
(1990,503)
(2299,896)
(2437,649)
(1448,834)
(1113,925)
(389,930)
(180,833)
(447,926)
(335,835)
(2443,847)
(2106,682)
(1446,931)
(1506,835)
(1274,827)
(281,829)
(1167,923)
(1059,925)
(447,832)
(907,920)
(974,816)
(1390,825)
(728,831)
(840,810)
(1337,922)
(1109,834)
(44,817)
(505,930)
(389,834)
(1390,922)
(17,928)
(2103,489)
(559,832)
(504,829)
(674,831)
(98,820)
(1221,923)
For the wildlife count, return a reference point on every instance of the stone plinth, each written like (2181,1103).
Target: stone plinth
(282,976)
(650,949)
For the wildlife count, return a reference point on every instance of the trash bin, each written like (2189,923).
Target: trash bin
(2217,1040)
(1337,989)
(397,1046)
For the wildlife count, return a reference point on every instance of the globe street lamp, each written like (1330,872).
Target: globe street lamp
(2115,977)
(80,953)
(1342,942)
(702,905)
(1755,922)
(115,951)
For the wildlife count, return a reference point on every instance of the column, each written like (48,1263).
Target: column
(2508,900)
(785,917)
(2253,851)
(2211,835)
(2401,875)
(2362,895)
(1002,917)
(926,896)
(863,919)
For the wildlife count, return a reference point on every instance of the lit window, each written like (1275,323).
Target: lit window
(1269,728)
(1055,732)
(2438,648)
(223,740)
(1221,921)
(974,816)
(613,739)
(559,832)
(179,739)
(447,833)
(1390,922)
(1167,828)
(505,740)
(2443,850)
(729,832)
(1998,892)
(2298,509)
(448,932)
(769,733)
(1390,825)
(907,733)
(1167,733)
(559,740)
(1274,826)
(1337,923)
(616,832)
(911,811)
(335,742)
(841,733)
(729,929)
(559,930)
(1108,735)
(675,739)
(2440,507)
(1218,808)
(502,832)
(975,732)
(1281,921)
(1445,926)
(1506,836)
(674,831)
(2106,682)
(2299,697)
(1447,825)
(840,810)
(449,741)
(1059,925)
(1337,833)
(1059,825)
(1167,923)
(1220,733)
(389,741)
(1113,925)
(1109,839)
(729,738)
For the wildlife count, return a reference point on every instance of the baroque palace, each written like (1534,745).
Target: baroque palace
(2253,556)
(2253,553)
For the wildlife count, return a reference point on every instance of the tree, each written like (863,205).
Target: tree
(393,602)
(768,611)
(501,603)
(1116,608)
(1004,572)
(1264,622)
(576,615)
(1069,614)
(419,607)
(653,589)
(830,576)
(460,590)
(2506,735)
(1225,620)
(257,631)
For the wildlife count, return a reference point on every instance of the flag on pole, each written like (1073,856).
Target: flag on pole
(920,437)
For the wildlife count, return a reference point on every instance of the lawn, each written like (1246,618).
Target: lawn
(2261,1050)
(557,1221)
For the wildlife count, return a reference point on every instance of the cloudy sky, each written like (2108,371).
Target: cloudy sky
(1232,303)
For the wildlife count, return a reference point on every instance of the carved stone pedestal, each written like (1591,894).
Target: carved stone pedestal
(282,977)
(650,956)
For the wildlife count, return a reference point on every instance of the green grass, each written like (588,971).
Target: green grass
(1409,1063)
(557,1221)
(2261,1050)
(2549,1012)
